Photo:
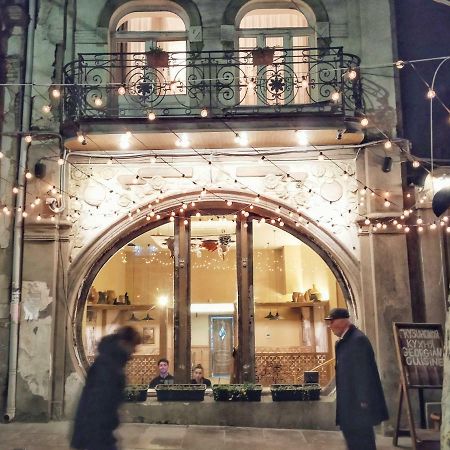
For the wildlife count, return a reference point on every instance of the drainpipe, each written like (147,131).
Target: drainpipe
(16,276)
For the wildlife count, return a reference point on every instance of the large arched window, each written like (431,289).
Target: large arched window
(289,32)
(141,31)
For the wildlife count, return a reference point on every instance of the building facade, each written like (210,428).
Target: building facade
(204,194)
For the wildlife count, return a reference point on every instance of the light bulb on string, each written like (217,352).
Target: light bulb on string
(384,226)
(352,74)
(28,138)
(60,161)
(192,204)
(399,226)
(251,85)
(416,164)
(37,200)
(121,90)
(98,101)
(406,229)
(198,214)
(388,145)
(367,221)
(433,226)
(420,229)
(387,203)
(110,161)
(52,218)
(204,113)
(38,217)
(431,94)
(28,175)
(24,214)
(241,139)
(400,64)
(46,109)
(302,137)
(321,157)
(151,115)
(445,218)
(229,202)
(56,93)
(304,83)
(364,122)
(335,96)
(1,155)
(419,221)
(15,190)
(158,217)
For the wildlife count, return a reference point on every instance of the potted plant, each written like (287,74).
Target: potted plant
(180,392)
(263,56)
(237,392)
(311,391)
(136,393)
(286,392)
(157,57)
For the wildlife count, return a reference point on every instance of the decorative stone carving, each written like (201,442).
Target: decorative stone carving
(94,194)
(331,191)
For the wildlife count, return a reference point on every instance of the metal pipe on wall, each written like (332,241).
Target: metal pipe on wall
(17,258)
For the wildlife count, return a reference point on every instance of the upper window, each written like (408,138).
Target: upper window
(140,31)
(283,28)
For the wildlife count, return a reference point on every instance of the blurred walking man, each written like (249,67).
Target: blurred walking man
(97,413)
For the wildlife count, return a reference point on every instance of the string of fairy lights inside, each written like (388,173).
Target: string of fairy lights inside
(352,73)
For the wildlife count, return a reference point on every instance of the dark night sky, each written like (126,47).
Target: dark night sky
(423,28)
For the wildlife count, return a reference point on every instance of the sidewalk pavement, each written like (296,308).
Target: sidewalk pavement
(54,436)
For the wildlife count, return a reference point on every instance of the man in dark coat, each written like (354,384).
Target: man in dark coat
(360,402)
(97,413)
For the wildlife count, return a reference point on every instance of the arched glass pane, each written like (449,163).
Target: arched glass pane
(293,290)
(273,18)
(135,287)
(151,21)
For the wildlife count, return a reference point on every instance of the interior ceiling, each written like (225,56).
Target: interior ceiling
(141,141)
(265,236)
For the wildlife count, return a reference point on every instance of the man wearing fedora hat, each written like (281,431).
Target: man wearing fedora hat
(360,402)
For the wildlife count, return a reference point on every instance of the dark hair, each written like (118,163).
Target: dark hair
(163,360)
(129,334)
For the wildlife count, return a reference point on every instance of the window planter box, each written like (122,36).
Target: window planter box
(136,393)
(263,56)
(287,392)
(180,392)
(237,392)
(294,392)
(157,59)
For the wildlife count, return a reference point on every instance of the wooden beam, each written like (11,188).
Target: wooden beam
(182,302)
(246,319)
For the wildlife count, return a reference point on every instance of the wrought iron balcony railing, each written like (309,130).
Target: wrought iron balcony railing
(221,83)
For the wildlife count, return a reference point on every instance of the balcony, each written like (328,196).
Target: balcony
(221,83)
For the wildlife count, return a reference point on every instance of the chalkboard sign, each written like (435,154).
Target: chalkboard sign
(420,348)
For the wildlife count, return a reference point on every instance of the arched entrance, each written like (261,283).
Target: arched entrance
(245,217)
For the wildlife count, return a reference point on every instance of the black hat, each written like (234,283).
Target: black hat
(338,313)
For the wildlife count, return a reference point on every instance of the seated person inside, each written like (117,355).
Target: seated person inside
(164,376)
(198,376)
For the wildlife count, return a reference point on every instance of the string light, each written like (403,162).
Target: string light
(416,164)
(335,96)
(15,190)
(28,175)
(151,115)
(98,101)
(46,109)
(56,93)
(121,90)
(364,121)
(321,157)
(388,144)
(204,113)
(400,64)
(352,74)
(28,138)
(60,162)
(431,94)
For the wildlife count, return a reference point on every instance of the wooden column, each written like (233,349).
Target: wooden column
(246,319)
(182,302)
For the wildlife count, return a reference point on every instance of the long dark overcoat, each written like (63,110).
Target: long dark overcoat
(97,413)
(358,381)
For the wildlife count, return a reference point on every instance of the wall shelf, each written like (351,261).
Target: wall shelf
(121,307)
(290,304)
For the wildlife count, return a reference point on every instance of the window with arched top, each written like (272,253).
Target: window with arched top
(140,32)
(289,32)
